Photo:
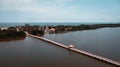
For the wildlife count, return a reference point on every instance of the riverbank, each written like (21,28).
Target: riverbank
(13,33)
(67,28)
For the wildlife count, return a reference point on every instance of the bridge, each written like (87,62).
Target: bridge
(116,63)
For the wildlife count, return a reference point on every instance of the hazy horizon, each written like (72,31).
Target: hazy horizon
(55,11)
(62,22)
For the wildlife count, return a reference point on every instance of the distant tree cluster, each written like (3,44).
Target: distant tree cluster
(37,32)
(11,34)
(63,28)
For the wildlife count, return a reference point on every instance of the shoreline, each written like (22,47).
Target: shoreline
(12,39)
(68,28)
(16,33)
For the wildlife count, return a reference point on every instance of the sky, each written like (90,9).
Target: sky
(59,10)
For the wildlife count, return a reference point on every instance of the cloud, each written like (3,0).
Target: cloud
(14,4)
(59,10)
(16,1)
(44,9)
(31,5)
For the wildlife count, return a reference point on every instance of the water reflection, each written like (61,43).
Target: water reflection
(32,52)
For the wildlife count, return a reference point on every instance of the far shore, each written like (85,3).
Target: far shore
(18,32)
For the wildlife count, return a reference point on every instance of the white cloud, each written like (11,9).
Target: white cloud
(39,6)
(14,4)
(43,9)
(16,1)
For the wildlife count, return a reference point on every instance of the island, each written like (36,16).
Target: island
(18,32)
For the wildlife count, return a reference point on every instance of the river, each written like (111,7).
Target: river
(103,41)
(31,52)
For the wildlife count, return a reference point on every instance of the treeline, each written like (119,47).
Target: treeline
(63,28)
(37,32)
(11,34)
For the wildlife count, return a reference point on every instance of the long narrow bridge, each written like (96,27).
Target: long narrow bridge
(116,63)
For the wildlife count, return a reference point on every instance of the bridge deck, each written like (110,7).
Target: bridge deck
(79,51)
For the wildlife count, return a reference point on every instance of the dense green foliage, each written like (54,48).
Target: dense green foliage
(37,32)
(11,34)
